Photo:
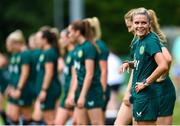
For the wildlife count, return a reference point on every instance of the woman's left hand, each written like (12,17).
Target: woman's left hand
(16,94)
(81,102)
(139,86)
(42,96)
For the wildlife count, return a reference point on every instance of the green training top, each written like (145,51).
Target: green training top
(84,52)
(67,69)
(144,51)
(48,56)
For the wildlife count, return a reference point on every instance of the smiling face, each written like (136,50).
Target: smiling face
(141,25)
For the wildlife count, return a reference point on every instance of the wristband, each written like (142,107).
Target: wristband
(44,89)
(145,83)
(19,88)
(131,63)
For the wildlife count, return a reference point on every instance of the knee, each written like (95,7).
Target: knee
(97,122)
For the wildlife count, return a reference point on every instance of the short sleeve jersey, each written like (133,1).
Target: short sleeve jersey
(104,51)
(4,79)
(84,52)
(11,68)
(67,69)
(34,60)
(144,52)
(22,58)
(47,56)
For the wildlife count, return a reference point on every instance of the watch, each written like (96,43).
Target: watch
(145,83)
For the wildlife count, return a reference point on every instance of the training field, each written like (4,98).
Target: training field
(176,120)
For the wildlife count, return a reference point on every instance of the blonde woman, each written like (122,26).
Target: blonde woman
(20,96)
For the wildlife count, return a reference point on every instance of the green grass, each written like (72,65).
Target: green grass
(176,115)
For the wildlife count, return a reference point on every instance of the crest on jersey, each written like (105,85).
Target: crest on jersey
(80,53)
(18,59)
(41,58)
(68,60)
(141,50)
(13,60)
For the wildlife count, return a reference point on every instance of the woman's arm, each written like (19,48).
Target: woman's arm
(104,72)
(89,66)
(167,56)
(72,89)
(22,80)
(128,91)
(161,69)
(49,71)
(25,69)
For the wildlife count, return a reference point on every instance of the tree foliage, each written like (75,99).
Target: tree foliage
(29,15)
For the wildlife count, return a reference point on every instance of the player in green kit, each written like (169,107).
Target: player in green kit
(20,99)
(64,113)
(103,56)
(48,85)
(35,53)
(165,89)
(4,81)
(166,110)
(149,65)
(124,116)
(89,93)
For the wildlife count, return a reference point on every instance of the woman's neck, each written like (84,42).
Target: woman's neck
(70,47)
(23,48)
(46,47)
(81,39)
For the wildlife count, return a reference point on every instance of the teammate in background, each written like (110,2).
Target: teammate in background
(125,114)
(4,81)
(165,87)
(89,90)
(115,80)
(20,96)
(48,85)
(64,113)
(103,56)
(35,53)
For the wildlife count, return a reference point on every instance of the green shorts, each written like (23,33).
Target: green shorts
(62,103)
(145,109)
(50,101)
(167,103)
(23,101)
(94,98)
(3,88)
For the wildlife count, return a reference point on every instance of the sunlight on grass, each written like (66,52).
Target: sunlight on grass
(176,115)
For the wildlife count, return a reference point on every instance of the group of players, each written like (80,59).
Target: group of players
(79,54)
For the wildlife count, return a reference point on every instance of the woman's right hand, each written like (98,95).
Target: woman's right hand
(69,102)
(123,67)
